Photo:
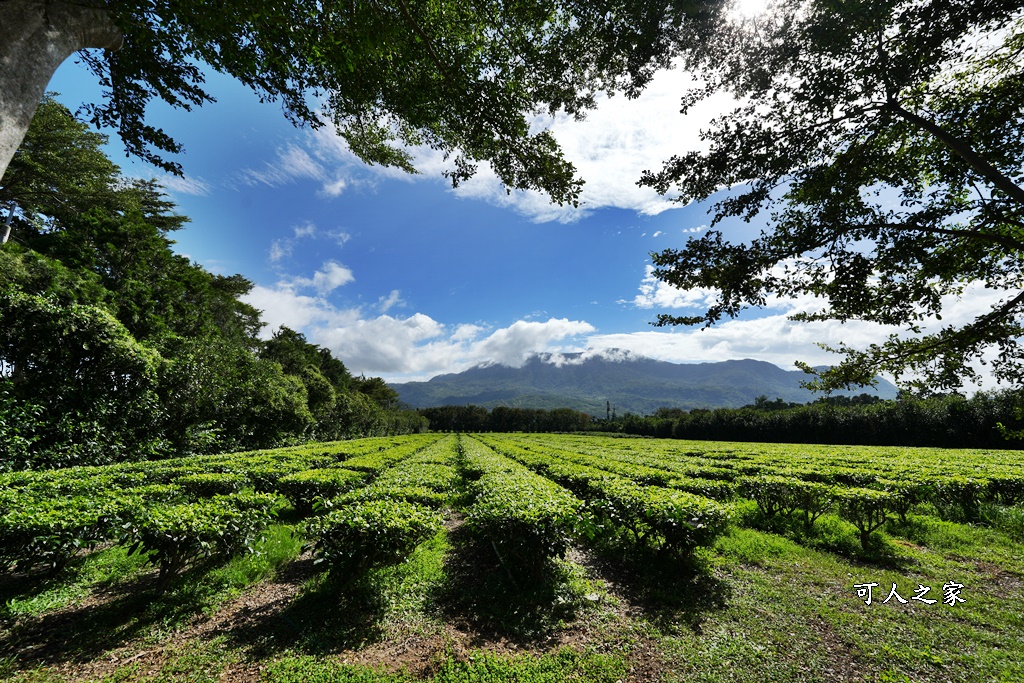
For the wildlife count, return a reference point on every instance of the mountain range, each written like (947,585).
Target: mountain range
(587,381)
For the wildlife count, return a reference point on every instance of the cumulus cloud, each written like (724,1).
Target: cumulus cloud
(610,149)
(417,347)
(403,347)
(420,347)
(330,276)
(513,345)
(283,306)
(777,339)
(655,293)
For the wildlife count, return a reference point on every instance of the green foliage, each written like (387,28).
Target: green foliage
(59,167)
(785,495)
(86,371)
(352,538)
(177,535)
(867,508)
(112,347)
(958,497)
(304,488)
(209,484)
(907,491)
(674,521)
(773,494)
(709,488)
(879,146)
(49,531)
(528,518)
(463,79)
(949,421)
(20,426)
(504,419)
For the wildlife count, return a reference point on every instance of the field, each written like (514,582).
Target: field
(518,557)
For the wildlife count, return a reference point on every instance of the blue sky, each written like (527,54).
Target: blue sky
(404,278)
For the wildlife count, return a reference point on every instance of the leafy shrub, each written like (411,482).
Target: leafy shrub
(867,508)
(354,537)
(303,488)
(528,518)
(1007,489)
(709,488)
(209,484)
(957,497)
(177,535)
(773,494)
(906,493)
(676,521)
(49,531)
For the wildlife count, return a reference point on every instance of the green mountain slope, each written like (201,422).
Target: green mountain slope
(631,383)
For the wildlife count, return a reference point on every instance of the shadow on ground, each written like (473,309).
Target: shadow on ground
(669,591)
(109,618)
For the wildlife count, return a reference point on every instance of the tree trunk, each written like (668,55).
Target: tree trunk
(35,37)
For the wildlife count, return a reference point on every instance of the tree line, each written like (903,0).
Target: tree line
(505,419)
(113,347)
(985,420)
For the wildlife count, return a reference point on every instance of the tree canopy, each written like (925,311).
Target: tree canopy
(880,145)
(465,78)
(114,347)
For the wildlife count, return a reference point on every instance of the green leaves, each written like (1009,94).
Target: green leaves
(464,79)
(354,537)
(177,535)
(528,517)
(880,148)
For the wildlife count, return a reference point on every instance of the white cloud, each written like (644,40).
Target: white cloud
(775,338)
(279,249)
(334,188)
(330,276)
(420,347)
(466,332)
(610,149)
(514,344)
(283,306)
(655,293)
(417,347)
(306,229)
(657,233)
(293,163)
(340,236)
(284,246)
(401,347)
(393,299)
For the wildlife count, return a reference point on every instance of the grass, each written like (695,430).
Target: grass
(770,601)
(561,665)
(759,605)
(32,595)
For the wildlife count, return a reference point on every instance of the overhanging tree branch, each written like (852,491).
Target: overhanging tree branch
(962,150)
